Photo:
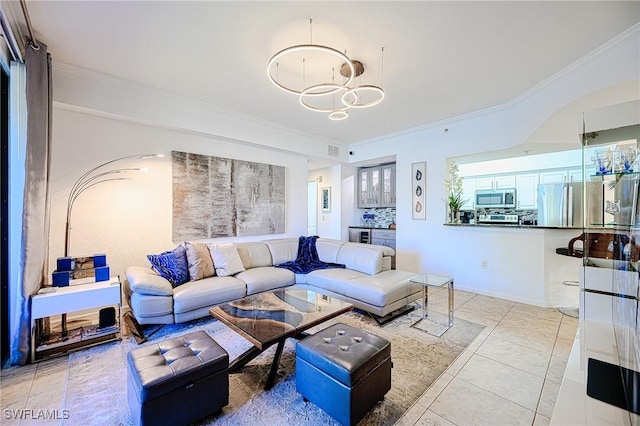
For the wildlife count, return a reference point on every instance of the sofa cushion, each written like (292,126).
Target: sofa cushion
(226,259)
(328,249)
(283,250)
(363,258)
(146,305)
(147,281)
(207,292)
(199,261)
(254,255)
(172,265)
(382,289)
(266,278)
(335,279)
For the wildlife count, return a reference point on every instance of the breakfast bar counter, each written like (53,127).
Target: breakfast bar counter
(509,225)
(516,262)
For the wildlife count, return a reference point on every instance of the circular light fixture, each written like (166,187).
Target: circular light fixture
(338,114)
(350,98)
(311,48)
(321,90)
(357,65)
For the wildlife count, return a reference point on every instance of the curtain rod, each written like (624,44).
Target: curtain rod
(33,42)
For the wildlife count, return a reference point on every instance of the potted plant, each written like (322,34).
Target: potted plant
(454,196)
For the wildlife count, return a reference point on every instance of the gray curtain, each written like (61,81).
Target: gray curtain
(35,217)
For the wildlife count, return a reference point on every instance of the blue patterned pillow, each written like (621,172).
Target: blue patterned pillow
(171,265)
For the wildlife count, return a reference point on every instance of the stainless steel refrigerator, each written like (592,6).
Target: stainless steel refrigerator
(560,204)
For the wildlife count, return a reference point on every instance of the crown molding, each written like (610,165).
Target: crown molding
(175,98)
(620,39)
(156,125)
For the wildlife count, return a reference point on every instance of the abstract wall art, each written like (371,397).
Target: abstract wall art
(221,197)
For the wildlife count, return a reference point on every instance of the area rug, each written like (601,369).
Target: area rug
(97,377)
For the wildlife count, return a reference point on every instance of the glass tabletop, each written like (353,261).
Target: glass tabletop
(431,280)
(267,317)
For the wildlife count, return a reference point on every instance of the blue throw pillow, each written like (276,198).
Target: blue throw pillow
(171,265)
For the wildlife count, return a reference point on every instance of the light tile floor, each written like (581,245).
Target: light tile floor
(510,375)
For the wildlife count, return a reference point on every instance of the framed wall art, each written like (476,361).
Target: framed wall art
(221,197)
(418,190)
(325,199)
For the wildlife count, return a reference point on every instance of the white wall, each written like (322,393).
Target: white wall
(130,219)
(427,245)
(551,160)
(349,213)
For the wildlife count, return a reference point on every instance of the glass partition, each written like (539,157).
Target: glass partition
(611,170)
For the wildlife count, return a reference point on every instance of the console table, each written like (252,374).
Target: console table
(51,301)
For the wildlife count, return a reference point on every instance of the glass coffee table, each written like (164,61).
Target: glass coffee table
(268,318)
(430,280)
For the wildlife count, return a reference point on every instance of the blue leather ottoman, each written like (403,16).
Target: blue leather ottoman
(178,381)
(343,370)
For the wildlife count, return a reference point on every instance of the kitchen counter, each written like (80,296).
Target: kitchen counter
(508,225)
(372,227)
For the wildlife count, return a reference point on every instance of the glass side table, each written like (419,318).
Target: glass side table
(426,281)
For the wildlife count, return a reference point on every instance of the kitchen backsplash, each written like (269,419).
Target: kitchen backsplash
(524,214)
(381,217)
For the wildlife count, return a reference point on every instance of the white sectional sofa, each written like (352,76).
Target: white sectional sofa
(367,281)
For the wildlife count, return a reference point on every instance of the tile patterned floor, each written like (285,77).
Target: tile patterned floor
(510,375)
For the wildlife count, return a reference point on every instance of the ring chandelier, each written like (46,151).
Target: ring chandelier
(332,97)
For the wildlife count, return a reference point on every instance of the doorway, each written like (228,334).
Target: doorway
(312,208)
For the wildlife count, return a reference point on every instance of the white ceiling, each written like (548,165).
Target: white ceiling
(441,59)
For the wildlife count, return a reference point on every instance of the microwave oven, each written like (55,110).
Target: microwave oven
(496,198)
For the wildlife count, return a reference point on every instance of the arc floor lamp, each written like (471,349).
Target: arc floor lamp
(96,176)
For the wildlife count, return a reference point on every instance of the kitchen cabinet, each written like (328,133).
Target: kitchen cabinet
(385,237)
(556,176)
(368,187)
(388,187)
(575,175)
(496,182)
(562,176)
(527,191)
(376,186)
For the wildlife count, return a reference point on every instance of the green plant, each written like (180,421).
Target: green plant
(454,188)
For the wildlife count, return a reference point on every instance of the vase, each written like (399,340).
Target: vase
(454,216)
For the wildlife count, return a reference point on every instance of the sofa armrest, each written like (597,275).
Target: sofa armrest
(146,281)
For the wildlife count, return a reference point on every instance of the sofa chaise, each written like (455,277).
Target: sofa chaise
(367,280)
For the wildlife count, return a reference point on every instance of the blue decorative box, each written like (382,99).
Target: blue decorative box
(66,264)
(70,263)
(80,276)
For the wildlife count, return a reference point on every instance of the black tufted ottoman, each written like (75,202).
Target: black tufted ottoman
(343,370)
(177,381)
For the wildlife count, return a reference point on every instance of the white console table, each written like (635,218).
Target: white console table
(64,300)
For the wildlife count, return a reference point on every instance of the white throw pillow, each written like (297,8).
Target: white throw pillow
(226,259)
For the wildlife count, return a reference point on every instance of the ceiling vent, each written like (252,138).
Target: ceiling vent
(334,151)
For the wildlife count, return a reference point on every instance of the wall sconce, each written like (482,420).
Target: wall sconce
(94,177)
